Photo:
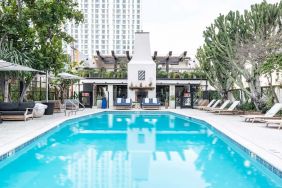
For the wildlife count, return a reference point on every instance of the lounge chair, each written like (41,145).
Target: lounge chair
(16,111)
(123,104)
(213,106)
(201,106)
(274,121)
(230,110)
(151,104)
(221,107)
(268,115)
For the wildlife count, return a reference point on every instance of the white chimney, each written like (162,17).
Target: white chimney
(142,49)
(141,69)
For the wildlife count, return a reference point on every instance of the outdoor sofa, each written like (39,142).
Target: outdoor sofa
(151,104)
(16,111)
(123,104)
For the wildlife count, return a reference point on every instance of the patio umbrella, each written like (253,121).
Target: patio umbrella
(67,76)
(7,66)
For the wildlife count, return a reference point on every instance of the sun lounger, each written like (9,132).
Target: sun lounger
(274,121)
(204,106)
(230,110)
(123,104)
(151,104)
(213,106)
(221,107)
(268,115)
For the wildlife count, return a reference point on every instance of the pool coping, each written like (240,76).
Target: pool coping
(257,153)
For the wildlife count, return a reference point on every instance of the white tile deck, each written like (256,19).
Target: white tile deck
(265,142)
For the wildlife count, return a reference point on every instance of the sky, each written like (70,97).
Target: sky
(177,25)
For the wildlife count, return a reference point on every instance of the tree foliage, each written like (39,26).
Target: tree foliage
(237,47)
(35,28)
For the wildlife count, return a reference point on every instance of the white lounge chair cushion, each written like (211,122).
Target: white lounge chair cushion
(215,104)
(224,104)
(155,100)
(118,100)
(274,110)
(147,100)
(234,105)
(127,100)
(211,103)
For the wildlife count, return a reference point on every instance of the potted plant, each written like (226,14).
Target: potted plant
(166,104)
(172,101)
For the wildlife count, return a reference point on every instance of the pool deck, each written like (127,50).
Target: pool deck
(265,142)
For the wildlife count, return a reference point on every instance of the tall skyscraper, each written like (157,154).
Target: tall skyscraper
(108,25)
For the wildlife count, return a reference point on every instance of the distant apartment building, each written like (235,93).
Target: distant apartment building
(108,25)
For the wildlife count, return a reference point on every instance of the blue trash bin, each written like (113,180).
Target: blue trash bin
(104,103)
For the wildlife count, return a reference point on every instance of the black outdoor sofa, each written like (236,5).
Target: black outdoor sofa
(16,111)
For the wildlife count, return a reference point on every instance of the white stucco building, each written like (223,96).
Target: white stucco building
(141,69)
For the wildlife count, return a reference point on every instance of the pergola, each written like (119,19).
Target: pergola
(113,59)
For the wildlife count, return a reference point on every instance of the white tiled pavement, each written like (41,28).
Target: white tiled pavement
(263,141)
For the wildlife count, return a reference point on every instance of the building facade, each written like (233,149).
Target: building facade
(108,25)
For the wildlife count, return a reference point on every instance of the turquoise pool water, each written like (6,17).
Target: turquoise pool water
(133,150)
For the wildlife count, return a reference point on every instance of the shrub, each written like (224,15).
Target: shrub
(248,106)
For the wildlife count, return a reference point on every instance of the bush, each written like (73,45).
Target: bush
(162,74)
(248,106)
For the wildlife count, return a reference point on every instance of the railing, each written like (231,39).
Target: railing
(73,105)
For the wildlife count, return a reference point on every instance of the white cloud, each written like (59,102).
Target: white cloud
(178,25)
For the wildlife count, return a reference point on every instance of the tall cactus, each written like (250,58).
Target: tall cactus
(240,44)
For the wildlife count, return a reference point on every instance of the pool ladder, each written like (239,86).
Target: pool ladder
(73,106)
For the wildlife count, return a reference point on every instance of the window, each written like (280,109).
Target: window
(141,75)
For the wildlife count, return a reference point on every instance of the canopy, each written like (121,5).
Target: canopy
(68,76)
(7,66)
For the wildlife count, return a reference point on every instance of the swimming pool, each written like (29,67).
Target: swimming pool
(134,149)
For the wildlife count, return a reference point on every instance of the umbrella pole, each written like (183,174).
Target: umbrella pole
(47,86)
(6,89)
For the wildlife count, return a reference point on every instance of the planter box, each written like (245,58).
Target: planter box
(99,103)
(172,104)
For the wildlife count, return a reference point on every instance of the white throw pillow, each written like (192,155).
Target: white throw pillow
(118,100)
(127,101)
(155,100)
(147,100)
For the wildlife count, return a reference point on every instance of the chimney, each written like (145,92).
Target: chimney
(141,70)
(142,49)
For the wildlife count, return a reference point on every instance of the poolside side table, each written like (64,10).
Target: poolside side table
(50,108)
(136,105)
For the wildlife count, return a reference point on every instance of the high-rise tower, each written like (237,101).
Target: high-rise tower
(108,25)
